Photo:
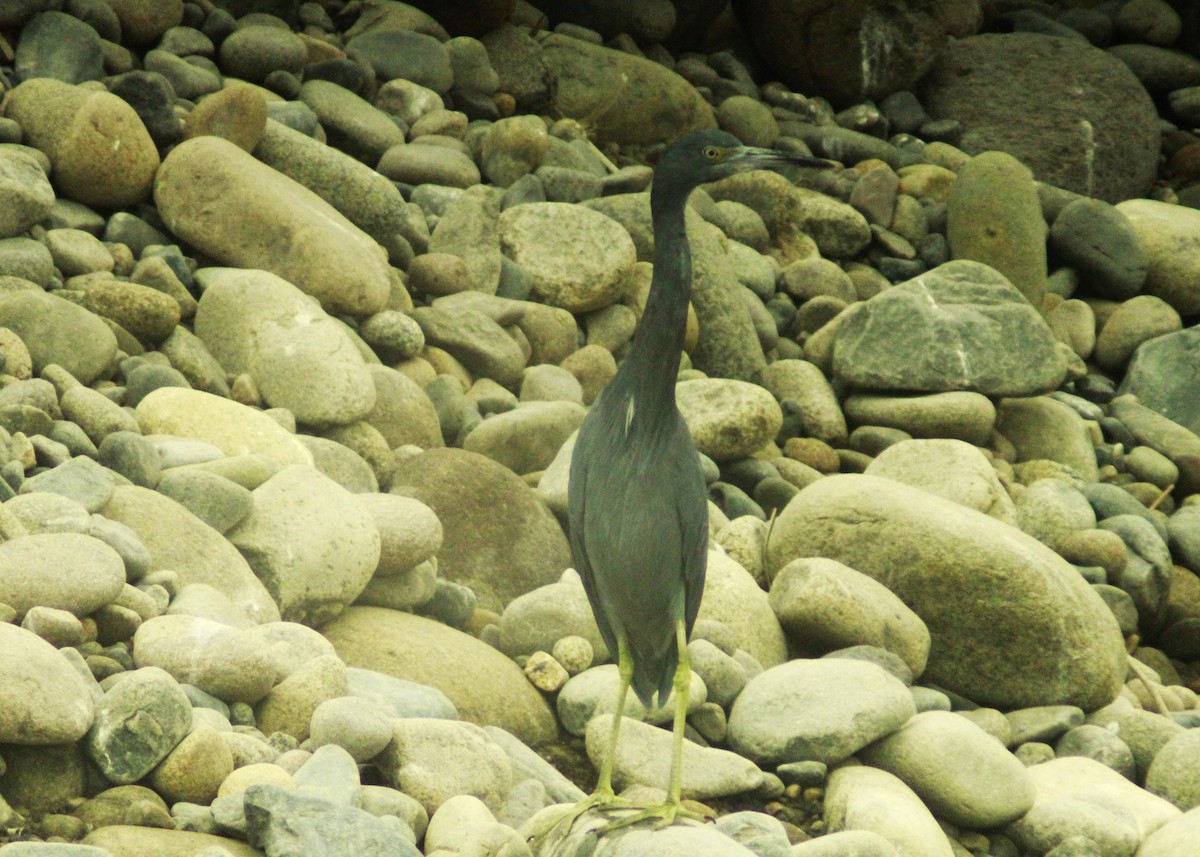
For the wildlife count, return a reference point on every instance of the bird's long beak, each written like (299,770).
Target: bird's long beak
(755,158)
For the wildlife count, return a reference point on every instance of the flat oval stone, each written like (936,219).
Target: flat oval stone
(484,685)
(527,438)
(839,707)
(862,799)
(934,554)
(950,468)
(43,700)
(69,571)
(824,605)
(241,212)
(963,774)
(728,419)
(60,332)
(409,531)
(234,428)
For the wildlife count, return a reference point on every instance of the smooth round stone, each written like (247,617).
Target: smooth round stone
(68,571)
(236,113)
(723,676)
(962,773)
(342,464)
(57,331)
(352,124)
(101,153)
(239,209)
(962,415)
(526,439)
(805,384)
(215,500)
(950,468)
(594,691)
(234,428)
(474,339)
(393,332)
(550,384)
(1173,773)
(1166,233)
(1173,839)
(403,413)
(867,704)
(1080,796)
(824,605)
(1103,745)
(138,722)
(194,770)
(253,52)
(38,51)
(537,620)
(360,726)
(98,415)
(146,313)
(27,190)
(312,368)
(25,265)
(45,701)
(514,146)
(1134,322)
(465,821)
(1042,427)
(415,163)
(577,257)
(226,662)
(434,760)
(484,685)
(148,378)
(57,627)
(289,706)
(131,455)
(410,533)
(498,557)
(241,778)
(643,756)
(77,252)
(311,543)
(1052,510)
(864,799)
(1016,576)
(733,598)
(728,419)
(404,53)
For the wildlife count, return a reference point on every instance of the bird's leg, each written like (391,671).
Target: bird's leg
(669,811)
(603,796)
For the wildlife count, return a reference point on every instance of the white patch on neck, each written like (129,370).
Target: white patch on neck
(628,416)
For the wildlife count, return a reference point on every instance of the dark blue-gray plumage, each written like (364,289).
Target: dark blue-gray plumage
(638,510)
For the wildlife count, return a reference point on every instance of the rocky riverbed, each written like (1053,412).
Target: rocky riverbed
(302,304)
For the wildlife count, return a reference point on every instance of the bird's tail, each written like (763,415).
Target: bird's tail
(654,672)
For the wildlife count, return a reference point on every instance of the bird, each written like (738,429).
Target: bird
(637,499)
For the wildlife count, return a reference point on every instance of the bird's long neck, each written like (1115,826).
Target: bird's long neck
(658,344)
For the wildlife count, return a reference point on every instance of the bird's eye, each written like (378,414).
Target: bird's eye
(711,152)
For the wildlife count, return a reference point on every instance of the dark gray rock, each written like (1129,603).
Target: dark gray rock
(1147,572)
(1096,240)
(58,45)
(961,326)
(1162,376)
(404,54)
(1161,70)
(138,722)
(1074,114)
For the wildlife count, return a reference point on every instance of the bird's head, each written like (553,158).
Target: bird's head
(699,157)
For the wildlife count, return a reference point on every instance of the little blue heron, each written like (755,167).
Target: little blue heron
(638,509)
